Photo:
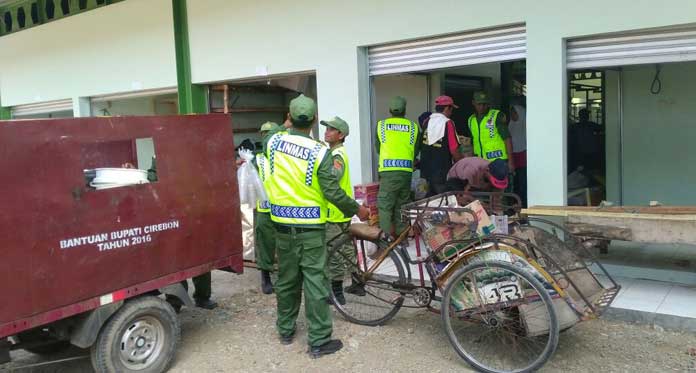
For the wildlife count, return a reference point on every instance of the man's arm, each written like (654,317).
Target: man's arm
(419,142)
(338,167)
(504,131)
(377,143)
(453,141)
(331,189)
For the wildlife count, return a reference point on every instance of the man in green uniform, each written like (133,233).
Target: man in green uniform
(301,183)
(337,223)
(490,136)
(264,232)
(398,143)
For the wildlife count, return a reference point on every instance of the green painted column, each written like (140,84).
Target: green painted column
(5,113)
(193,99)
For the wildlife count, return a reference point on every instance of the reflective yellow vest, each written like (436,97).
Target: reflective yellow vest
(487,142)
(397,138)
(264,169)
(293,185)
(335,215)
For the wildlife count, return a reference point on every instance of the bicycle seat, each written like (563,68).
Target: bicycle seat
(363,231)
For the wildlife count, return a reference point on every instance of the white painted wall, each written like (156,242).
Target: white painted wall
(283,44)
(122,47)
(106,50)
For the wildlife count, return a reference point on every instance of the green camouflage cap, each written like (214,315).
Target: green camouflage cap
(268,126)
(337,123)
(481,97)
(397,105)
(303,108)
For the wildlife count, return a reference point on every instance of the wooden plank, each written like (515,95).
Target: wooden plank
(600,231)
(563,212)
(665,210)
(645,230)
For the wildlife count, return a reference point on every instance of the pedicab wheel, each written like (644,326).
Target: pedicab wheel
(372,302)
(499,318)
(140,337)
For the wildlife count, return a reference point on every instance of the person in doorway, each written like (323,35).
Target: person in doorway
(518,134)
(586,144)
(398,142)
(474,174)
(490,137)
(337,223)
(440,145)
(264,232)
(301,183)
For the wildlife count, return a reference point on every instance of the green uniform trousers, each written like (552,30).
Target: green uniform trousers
(202,286)
(394,191)
(346,260)
(264,241)
(302,265)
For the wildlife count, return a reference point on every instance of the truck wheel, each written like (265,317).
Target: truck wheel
(139,337)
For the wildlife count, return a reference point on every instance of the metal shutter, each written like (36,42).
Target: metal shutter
(134,94)
(674,44)
(42,107)
(499,44)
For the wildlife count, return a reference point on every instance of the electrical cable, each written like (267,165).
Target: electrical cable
(656,85)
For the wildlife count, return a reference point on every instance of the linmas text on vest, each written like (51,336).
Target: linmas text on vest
(399,127)
(119,238)
(294,150)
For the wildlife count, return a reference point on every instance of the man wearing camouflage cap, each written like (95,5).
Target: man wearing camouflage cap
(337,223)
(301,183)
(264,231)
(490,137)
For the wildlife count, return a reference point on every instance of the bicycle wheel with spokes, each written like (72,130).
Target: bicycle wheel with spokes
(499,317)
(370,299)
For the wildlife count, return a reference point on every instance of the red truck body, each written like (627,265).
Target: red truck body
(68,248)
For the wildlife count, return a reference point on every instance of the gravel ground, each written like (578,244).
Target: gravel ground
(239,336)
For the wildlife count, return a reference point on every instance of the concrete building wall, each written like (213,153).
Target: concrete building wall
(127,46)
(130,44)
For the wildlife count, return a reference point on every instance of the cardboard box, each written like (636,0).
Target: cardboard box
(363,191)
(484,227)
(438,235)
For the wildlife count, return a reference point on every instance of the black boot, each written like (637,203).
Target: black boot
(337,288)
(327,348)
(266,285)
(207,304)
(356,288)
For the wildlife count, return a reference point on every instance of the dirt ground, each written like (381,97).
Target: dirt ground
(239,336)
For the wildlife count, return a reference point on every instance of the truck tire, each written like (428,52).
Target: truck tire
(140,337)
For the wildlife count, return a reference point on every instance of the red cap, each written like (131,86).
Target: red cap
(445,101)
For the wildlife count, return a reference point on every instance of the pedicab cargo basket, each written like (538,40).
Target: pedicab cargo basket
(458,233)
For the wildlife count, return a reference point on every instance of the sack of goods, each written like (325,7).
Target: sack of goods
(250,185)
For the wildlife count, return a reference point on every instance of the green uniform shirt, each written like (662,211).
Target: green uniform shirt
(417,145)
(500,123)
(328,182)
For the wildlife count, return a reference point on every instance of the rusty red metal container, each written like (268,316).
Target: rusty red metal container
(67,248)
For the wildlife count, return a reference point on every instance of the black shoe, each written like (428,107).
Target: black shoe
(356,288)
(206,304)
(287,339)
(327,348)
(337,289)
(266,285)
